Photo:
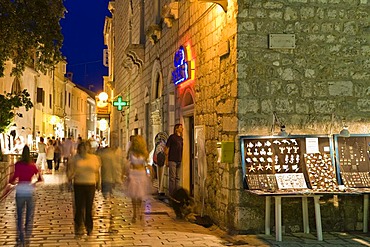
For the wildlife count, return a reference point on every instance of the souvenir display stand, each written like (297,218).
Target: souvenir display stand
(353,166)
(305,166)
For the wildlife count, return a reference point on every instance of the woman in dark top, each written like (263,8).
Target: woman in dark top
(25,172)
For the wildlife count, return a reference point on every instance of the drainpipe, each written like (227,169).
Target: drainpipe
(34,110)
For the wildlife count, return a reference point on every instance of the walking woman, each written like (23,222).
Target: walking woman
(83,172)
(25,172)
(139,182)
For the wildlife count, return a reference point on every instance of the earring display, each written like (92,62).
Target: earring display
(356,179)
(353,160)
(321,172)
(265,182)
(291,181)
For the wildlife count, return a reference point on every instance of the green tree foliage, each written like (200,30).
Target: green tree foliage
(30,34)
(9,103)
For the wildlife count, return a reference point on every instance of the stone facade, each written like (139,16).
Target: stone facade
(238,82)
(314,88)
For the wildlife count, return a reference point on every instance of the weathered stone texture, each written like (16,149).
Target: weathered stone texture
(325,75)
(236,92)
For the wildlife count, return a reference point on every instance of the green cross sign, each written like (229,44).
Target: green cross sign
(119,103)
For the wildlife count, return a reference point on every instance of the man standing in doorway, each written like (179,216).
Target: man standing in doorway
(173,150)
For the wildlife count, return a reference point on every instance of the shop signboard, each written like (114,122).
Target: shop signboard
(181,71)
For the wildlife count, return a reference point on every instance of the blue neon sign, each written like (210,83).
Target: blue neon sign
(181,71)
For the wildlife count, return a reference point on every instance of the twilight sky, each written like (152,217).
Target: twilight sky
(83,43)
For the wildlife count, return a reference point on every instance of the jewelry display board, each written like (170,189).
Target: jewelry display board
(353,161)
(321,172)
(271,163)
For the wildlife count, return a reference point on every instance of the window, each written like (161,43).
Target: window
(50,101)
(40,95)
(16,86)
(158,86)
(69,100)
(88,112)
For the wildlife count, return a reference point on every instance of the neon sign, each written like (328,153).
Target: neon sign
(181,71)
(119,103)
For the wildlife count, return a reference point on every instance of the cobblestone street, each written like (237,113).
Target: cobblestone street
(53,225)
(53,222)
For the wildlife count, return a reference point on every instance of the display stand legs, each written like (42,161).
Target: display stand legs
(278,216)
(318,218)
(366,212)
(267,215)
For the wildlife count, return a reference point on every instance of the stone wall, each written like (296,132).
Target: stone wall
(205,28)
(317,85)
(315,88)
(6,170)
(239,83)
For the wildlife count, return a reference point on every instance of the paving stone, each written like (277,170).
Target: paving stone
(53,225)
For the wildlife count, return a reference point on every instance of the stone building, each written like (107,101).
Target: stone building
(228,68)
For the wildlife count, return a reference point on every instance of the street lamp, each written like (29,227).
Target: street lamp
(103,124)
(103,101)
(103,110)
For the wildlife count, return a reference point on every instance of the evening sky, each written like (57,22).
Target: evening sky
(83,44)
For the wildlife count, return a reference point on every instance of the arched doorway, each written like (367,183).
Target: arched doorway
(188,167)
(155,109)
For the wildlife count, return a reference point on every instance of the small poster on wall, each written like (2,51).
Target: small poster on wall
(312,145)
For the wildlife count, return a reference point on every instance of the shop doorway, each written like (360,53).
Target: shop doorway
(188,155)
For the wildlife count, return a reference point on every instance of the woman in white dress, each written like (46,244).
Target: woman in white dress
(139,182)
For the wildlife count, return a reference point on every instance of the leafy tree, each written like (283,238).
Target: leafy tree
(30,34)
(9,103)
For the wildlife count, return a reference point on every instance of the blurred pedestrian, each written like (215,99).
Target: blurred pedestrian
(50,155)
(41,157)
(84,173)
(24,172)
(110,170)
(93,142)
(67,153)
(138,180)
(57,154)
(174,147)
(67,150)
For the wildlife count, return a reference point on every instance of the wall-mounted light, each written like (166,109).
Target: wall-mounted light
(345,132)
(102,100)
(103,124)
(276,121)
(54,120)
(282,131)
(222,3)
